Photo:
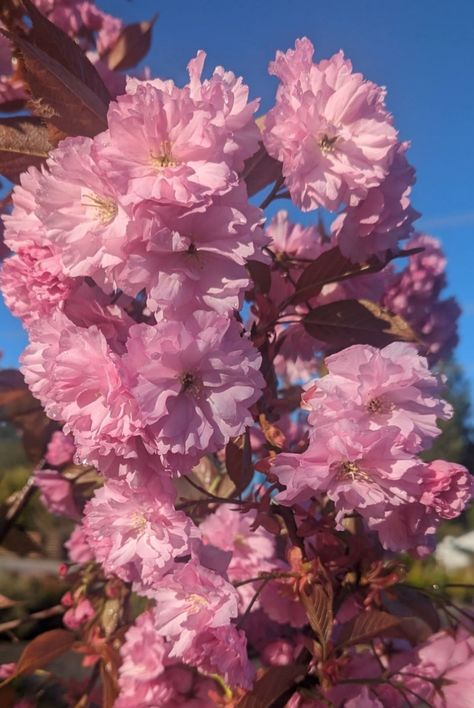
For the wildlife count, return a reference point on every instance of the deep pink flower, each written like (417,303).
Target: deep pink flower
(415,293)
(60,450)
(163,145)
(329,128)
(33,283)
(194,382)
(189,601)
(56,493)
(377,388)
(384,217)
(136,534)
(81,613)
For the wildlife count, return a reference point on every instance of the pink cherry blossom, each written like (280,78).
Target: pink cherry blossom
(385,216)
(440,670)
(33,283)
(60,450)
(81,613)
(142,678)
(56,492)
(377,388)
(193,382)
(252,550)
(415,293)
(162,145)
(136,534)
(222,651)
(191,600)
(191,259)
(80,209)
(329,128)
(78,549)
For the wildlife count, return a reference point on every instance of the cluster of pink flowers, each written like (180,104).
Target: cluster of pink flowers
(379,476)
(134,258)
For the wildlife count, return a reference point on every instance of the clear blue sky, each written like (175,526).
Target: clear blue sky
(421,50)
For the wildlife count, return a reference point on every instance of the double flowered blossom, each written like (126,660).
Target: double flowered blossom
(329,128)
(137,535)
(365,392)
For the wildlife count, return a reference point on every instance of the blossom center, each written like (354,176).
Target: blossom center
(105,208)
(351,470)
(164,158)
(379,405)
(327,144)
(190,382)
(196,603)
(139,521)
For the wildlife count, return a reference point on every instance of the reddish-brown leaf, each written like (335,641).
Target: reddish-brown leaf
(317,600)
(59,46)
(23,142)
(131,46)
(274,682)
(260,274)
(406,601)
(62,99)
(331,266)
(260,170)
(365,626)
(347,322)
(238,461)
(41,650)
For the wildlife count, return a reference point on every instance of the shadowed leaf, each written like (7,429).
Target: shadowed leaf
(365,626)
(274,682)
(317,601)
(41,650)
(347,322)
(260,170)
(131,46)
(23,142)
(238,461)
(61,98)
(59,46)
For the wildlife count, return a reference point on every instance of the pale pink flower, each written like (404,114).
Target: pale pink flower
(194,382)
(222,651)
(228,96)
(447,488)
(194,258)
(384,217)
(377,388)
(56,493)
(189,601)
(78,549)
(162,145)
(440,670)
(142,680)
(281,603)
(80,209)
(136,534)
(329,128)
(60,450)
(252,550)
(23,228)
(359,470)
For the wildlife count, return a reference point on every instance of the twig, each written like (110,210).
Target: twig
(42,614)
(21,500)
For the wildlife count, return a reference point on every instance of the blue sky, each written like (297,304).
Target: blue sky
(421,50)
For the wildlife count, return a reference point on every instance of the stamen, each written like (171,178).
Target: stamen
(352,471)
(327,144)
(379,405)
(165,157)
(105,208)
